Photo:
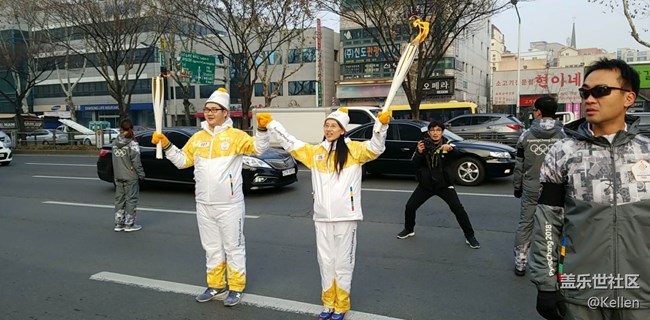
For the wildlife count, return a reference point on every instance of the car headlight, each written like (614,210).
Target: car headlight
(502,154)
(255,162)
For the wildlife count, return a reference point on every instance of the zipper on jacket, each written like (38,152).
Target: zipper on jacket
(615,227)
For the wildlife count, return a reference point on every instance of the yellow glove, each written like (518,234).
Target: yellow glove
(159,137)
(263,120)
(383,117)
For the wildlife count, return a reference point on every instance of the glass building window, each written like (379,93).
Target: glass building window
(302,88)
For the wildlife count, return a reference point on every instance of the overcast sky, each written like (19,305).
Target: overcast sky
(551,21)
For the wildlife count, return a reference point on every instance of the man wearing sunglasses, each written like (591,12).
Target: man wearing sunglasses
(531,149)
(590,254)
(216,154)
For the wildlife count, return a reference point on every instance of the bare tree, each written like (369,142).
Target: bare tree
(21,51)
(243,32)
(172,43)
(386,21)
(634,11)
(117,38)
(70,68)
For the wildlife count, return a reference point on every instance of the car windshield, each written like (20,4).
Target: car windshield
(452,136)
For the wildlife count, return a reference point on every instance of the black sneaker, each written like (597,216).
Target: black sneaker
(405,234)
(520,273)
(211,293)
(472,242)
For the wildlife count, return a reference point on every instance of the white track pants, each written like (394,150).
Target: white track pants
(222,236)
(336,243)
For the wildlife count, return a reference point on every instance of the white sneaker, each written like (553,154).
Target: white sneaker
(134,227)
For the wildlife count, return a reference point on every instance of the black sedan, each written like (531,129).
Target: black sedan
(272,169)
(477,161)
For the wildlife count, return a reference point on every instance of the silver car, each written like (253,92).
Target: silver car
(46,136)
(496,127)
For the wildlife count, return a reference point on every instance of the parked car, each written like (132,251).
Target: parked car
(6,139)
(496,127)
(478,160)
(46,136)
(5,155)
(273,169)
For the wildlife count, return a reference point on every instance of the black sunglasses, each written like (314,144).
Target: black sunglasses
(598,91)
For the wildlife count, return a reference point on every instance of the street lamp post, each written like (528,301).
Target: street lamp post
(514,2)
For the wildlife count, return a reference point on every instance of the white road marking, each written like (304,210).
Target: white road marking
(459,193)
(62,177)
(61,164)
(77,204)
(282,305)
(363,189)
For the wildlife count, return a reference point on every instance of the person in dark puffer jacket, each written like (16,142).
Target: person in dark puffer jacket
(432,159)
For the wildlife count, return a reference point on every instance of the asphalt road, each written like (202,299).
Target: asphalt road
(57,243)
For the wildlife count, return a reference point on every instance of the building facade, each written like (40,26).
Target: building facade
(366,74)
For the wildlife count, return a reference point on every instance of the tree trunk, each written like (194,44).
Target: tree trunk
(186,107)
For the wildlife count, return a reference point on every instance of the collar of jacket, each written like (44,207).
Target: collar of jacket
(217,129)
(327,145)
(579,130)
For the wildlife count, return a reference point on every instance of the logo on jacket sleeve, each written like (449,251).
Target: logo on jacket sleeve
(641,171)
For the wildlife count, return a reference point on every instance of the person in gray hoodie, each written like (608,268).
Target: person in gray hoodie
(127,172)
(531,149)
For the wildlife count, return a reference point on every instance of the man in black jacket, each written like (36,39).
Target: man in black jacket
(432,157)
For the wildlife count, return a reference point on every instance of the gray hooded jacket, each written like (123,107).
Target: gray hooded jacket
(126,160)
(531,149)
(595,202)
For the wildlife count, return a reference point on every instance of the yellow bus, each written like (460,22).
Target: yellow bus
(434,111)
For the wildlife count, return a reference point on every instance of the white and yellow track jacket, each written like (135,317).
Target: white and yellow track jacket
(217,160)
(337,197)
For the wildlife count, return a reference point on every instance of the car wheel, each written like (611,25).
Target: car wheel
(469,171)
(45,142)
(87,142)
(5,163)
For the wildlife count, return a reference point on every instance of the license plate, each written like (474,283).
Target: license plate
(288,172)
(2,156)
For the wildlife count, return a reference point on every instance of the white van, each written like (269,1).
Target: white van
(360,115)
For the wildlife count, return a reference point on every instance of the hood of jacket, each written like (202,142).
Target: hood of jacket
(121,141)
(580,130)
(545,128)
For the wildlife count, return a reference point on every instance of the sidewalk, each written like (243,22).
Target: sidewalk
(58,151)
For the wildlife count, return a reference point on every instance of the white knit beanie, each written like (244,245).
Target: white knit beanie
(220,97)
(340,115)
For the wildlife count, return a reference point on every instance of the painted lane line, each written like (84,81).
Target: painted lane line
(77,204)
(459,193)
(60,164)
(62,177)
(278,304)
